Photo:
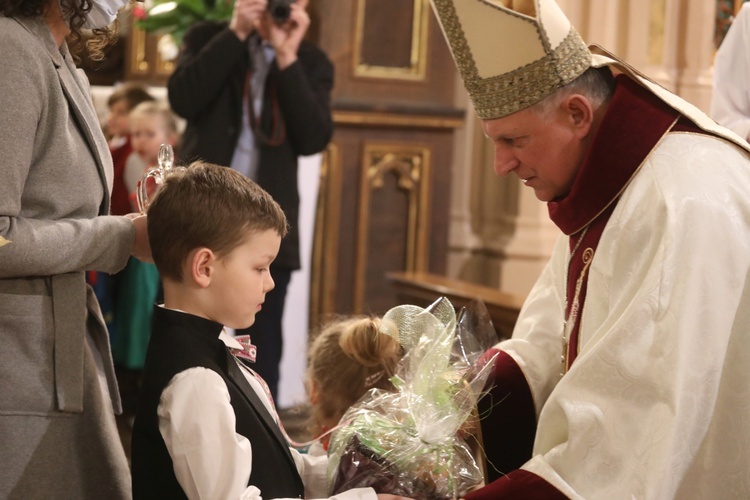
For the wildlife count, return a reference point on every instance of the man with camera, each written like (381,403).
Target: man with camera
(255,96)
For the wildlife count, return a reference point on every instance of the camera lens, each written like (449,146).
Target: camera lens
(279,10)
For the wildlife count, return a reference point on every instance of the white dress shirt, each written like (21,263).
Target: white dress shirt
(245,157)
(212,461)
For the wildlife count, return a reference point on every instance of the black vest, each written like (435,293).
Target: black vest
(180,341)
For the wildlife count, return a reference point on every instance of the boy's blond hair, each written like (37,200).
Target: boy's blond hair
(207,206)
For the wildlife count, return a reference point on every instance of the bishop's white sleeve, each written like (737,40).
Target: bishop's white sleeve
(197,424)
(730,101)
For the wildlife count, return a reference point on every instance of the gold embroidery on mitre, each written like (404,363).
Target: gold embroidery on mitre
(3,241)
(501,95)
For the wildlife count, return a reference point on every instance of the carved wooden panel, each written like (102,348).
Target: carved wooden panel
(402,54)
(390,215)
(386,53)
(385,192)
(394,180)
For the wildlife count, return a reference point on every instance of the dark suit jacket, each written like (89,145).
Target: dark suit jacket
(206,89)
(180,341)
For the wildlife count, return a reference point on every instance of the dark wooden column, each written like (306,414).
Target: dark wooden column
(385,189)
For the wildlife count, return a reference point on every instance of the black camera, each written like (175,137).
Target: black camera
(280,10)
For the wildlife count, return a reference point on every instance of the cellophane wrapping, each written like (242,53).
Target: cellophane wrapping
(410,442)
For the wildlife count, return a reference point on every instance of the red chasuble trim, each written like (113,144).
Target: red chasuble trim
(635,122)
(519,484)
(507,418)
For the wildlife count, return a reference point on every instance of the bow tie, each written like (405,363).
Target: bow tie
(248,351)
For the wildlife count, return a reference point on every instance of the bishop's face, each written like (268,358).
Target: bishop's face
(544,150)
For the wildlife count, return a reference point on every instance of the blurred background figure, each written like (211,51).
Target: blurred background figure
(121,101)
(256,96)
(730,101)
(137,287)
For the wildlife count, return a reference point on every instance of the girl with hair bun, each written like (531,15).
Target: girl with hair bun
(347,358)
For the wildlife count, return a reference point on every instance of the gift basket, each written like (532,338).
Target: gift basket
(410,442)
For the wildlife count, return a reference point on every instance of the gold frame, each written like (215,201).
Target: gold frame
(418,59)
(323,273)
(138,62)
(413,167)
(386,119)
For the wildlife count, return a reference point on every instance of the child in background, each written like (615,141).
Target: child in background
(151,125)
(121,102)
(346,359)
(206,426)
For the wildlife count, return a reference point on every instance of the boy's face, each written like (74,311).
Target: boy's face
(241,280)
(147,134)
(117,119)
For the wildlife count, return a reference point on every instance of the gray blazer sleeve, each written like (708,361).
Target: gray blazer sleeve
(56,169)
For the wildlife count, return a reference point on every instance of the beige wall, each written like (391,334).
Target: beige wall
(500,234)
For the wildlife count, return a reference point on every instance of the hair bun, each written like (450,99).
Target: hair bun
(362,341)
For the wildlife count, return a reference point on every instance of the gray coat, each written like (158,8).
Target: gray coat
(57,431)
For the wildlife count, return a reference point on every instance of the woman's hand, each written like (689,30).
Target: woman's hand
(141,247)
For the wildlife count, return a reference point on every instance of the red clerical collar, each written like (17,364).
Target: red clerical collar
(633,125)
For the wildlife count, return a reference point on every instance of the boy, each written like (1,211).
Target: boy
(203,416)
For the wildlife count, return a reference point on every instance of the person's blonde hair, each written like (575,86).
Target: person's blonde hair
(346,359)
(156,108)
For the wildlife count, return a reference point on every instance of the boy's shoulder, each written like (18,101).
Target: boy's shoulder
(181,340)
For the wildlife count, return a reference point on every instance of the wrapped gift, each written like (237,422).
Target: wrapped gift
(411,441)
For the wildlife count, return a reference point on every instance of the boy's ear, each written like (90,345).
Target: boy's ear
(201,266)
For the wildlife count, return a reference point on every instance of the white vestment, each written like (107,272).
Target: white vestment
(730,101)
(657,403)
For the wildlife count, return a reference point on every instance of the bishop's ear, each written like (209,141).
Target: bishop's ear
(580,112)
